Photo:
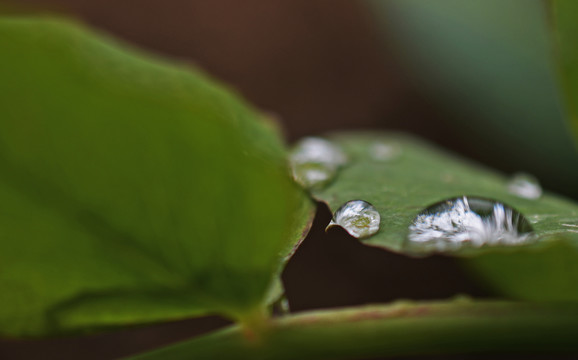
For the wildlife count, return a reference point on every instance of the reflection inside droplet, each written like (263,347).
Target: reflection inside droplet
(467,222)
(315,161)
(381,151)
(525,186)
(359,218)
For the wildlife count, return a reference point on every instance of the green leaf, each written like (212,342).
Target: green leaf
(398,329)
(489,65)
(131,190)
(423,175)
(565,14)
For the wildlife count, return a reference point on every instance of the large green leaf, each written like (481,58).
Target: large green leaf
(131,190)
(566,30)
(423,175)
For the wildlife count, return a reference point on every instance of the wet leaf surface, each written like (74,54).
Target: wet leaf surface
(423,175)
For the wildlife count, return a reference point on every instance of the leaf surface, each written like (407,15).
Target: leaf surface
(423,175)
(132,190)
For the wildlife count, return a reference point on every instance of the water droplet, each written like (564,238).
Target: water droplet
(281,306)
(312,175)
(359,218)
(315,161)
(525,186)
(284,306)
(318,150)
(467,222)
(381,151)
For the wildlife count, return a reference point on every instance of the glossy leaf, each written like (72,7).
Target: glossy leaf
(131,190)
(422,175)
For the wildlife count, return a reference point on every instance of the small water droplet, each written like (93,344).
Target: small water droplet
(312,175)
(359,218)
(525,186)
(315,161)
(381,151)
(281,306)
(284,305)
(467,222)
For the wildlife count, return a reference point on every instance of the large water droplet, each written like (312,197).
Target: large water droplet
(359,218)
(315,161)
(525,186)
(467,222)
(380,151)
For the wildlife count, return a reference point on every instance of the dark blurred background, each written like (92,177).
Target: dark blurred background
(475,77)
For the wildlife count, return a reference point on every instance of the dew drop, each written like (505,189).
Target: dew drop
(525,186)
(284,305)
(315,161)
(381,151)
(359,218)
(312,175)
(281,306)
(467,222)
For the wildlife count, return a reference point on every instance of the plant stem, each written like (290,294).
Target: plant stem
(403,328)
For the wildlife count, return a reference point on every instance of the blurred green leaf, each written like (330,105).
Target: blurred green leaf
(542,273)
(131,190)
(423,175)
(565,14)
(489,64)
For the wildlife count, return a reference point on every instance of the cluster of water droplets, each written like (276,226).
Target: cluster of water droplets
(467,222)
(315,162)
(443,227)
(359,218)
